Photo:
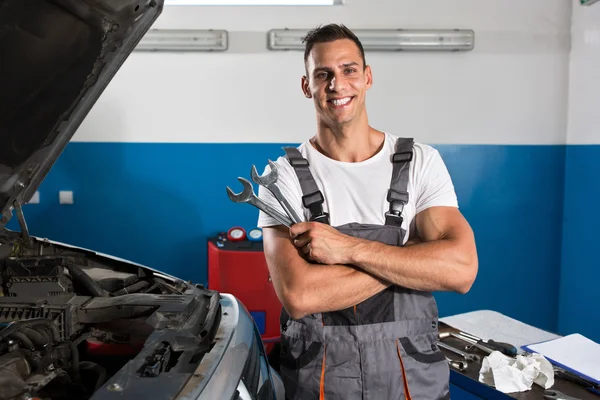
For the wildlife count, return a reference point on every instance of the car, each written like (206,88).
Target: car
(75,323)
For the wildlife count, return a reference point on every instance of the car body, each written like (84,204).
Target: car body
(75,323)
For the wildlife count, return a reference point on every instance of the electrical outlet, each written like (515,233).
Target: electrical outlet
(65,197)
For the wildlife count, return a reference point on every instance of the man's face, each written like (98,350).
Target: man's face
(337,81)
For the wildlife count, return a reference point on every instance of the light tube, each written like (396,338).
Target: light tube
(385,39)
(184,40)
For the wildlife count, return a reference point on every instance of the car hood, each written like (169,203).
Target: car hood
(56,59)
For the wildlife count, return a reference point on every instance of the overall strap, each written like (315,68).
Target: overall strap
(398,192)
(312,198)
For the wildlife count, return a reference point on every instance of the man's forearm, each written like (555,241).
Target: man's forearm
(439,265)
(306,288)
(326,288)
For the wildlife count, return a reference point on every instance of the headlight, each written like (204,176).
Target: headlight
(256,381)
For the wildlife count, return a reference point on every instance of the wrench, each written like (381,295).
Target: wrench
(466,356)
(247,196)
(269,181)
(556,395)
(469,347)
(459,365)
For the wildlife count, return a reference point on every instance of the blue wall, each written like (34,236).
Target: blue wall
(580,275)
(157,204)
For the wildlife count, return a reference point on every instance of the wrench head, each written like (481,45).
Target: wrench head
(268,179)
(555,394)
(243,196)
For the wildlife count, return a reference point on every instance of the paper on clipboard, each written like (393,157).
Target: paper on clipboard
(574,353)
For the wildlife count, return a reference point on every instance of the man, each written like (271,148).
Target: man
(359,320)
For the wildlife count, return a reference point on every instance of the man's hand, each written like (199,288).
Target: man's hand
(304,287)
(322,243)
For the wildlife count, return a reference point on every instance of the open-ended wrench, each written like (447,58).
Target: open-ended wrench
(466,356)
(269,181)
(556,395)
(471,342)
(247,196)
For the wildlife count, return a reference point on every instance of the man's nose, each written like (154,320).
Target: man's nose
(336,84)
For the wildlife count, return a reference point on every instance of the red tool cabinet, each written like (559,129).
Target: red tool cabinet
(240,268)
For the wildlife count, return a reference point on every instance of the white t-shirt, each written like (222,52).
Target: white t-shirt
(357,191)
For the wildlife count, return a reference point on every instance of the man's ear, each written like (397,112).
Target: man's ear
(306,87)
(368,76)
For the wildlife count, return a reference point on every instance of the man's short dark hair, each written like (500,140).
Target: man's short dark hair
(329,33)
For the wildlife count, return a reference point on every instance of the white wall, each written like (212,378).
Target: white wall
(512,89)
(584,92)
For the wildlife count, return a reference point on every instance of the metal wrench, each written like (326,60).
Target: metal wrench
(472,343)
(247,196)
(466,356)
(269,181)
(556,395)
(469,347)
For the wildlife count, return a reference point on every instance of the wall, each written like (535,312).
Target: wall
(150,163)
(580,265)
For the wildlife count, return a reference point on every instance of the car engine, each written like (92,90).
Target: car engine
(72,320)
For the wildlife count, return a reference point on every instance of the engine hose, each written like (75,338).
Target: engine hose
(20,337)
(82,338)
(17,325)
(39,340)
(132,288)
(80,276)
(151,288)
(46,332)
(98,369)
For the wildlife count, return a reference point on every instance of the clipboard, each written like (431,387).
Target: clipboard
(574,353)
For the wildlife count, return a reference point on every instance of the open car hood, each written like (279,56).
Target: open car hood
(56,59)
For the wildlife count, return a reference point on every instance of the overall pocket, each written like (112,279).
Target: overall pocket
(301,363)
(425,366)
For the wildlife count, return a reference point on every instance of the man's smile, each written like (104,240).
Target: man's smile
(340,102)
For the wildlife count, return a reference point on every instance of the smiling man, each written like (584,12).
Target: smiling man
(381,232)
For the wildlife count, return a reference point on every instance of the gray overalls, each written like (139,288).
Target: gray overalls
(381,349)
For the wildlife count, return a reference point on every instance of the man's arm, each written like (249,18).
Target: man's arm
(445,260)
(306,288)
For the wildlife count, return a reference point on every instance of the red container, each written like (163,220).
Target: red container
(240,268)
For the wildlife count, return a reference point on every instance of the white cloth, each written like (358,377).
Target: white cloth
(356,192)
(510,375)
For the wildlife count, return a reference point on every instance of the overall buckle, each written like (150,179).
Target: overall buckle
(393,218)
(323,218)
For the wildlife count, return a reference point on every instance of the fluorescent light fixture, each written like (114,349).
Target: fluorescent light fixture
(385,39)
(252,2)
(184,40)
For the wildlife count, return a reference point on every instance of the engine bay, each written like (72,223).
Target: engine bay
(78,325)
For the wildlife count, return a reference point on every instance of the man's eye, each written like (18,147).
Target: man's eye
(350,70)
(321,75)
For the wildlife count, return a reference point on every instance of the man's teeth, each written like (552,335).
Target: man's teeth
(341,102)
